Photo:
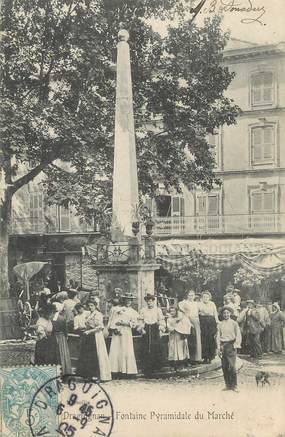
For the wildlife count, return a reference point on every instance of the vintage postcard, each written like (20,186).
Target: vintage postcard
(142,218)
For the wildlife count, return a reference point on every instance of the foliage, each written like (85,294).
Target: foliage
(58,96)
(249,279)
(198,275)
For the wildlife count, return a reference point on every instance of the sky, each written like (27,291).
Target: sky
(260,21)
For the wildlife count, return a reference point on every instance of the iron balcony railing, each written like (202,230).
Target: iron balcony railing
(187,225)
(220,224)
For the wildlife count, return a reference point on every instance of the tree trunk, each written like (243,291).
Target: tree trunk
(5,221)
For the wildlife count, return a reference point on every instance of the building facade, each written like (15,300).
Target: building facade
(250,162)
(250,157)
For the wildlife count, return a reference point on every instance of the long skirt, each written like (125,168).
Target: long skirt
(47,351)
(196,350)
(151,349)
(177,347)
(64,354)
(121,355)
(93,359)
(208,327)
(277,340)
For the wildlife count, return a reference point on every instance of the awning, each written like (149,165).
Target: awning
(219,246)
(262,256)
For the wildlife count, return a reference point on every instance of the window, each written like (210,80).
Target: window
(262,88)
(262,201)
(262,144)
(207,211)
(208,204)
(64,219)
(262,210)
(36,211)
(213,141)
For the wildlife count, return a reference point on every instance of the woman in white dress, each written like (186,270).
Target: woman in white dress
(178,326)
(190,308)
(93,360)
(121,355)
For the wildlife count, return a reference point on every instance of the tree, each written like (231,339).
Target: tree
(58,99)
(257,284)
(198,275)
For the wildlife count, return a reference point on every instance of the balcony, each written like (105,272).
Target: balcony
(237,224)
(223,224)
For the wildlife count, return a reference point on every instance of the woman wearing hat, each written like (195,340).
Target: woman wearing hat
(277,323)
(152,325)
(121,355)
(46,350)
(93,360)
(208,316)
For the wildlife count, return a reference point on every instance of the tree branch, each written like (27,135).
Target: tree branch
(57,167)
(32,174)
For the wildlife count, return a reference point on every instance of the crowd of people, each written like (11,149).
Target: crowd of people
(196,332)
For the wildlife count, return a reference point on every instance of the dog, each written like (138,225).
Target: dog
(262,377)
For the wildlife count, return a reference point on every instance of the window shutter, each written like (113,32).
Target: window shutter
(262,87)
(256,95)
(268,143)
(182,207)
(256,202)
(36,211)
(201,205)
(267,87)
(256,89)
(256,144)
(268,201)
(176,206)
(257,155)
(257,136)
(213,205)
(64,219)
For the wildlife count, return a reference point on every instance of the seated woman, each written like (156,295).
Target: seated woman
(93,359)
(121,355)
(152,325)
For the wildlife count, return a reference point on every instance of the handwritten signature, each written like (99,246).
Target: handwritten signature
(232,6)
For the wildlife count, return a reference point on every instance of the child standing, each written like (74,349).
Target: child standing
(179,327)
(228,341)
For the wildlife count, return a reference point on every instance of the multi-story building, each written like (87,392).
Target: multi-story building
(250,162)
(250,157)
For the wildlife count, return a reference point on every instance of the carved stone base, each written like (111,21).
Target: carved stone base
(137,279)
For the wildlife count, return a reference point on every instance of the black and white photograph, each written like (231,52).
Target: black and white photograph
(142,218)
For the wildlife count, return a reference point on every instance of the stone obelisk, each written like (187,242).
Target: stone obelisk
(125,177)
(127,264)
